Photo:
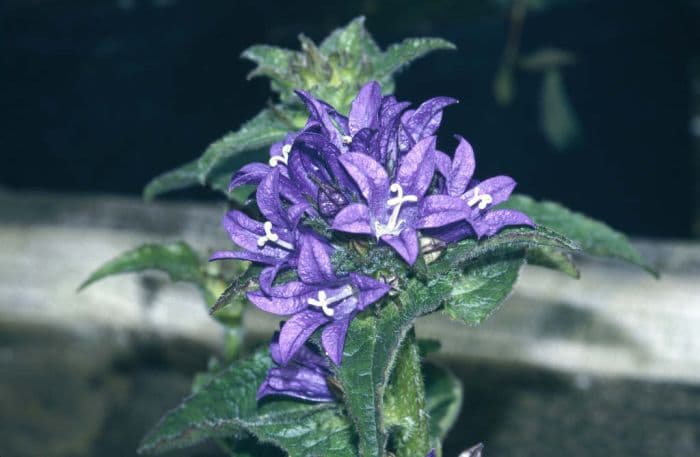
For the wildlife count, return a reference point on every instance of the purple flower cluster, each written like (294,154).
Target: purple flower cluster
(375,173)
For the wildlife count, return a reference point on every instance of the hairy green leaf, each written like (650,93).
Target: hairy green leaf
(553,259)
(399,55)
(370,351)
(177,259)
(595,237)
(187,176)
(182,177)
(482,286)
(443,393)
(353,39)
(272,61)
(226,406)
(235,291)
(263,130)
(507,241)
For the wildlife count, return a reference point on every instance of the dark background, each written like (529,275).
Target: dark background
(101,96)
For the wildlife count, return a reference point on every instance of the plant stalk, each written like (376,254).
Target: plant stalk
(405,410)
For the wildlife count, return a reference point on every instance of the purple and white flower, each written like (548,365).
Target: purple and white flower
(397,208)
(272,242)
(320,298)
(304,376)
(479,218)
(376,173)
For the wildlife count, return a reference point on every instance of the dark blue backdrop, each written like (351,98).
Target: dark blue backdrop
(100,96)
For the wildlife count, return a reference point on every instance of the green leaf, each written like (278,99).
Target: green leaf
(263,130)
(177,259)
(353,39)
(235,291)
(226,407)
(370,351)
(595,237)
(507,241)
(187,176)
(558,119)
(182,177)
(443,393)
(399,55)
(272,61)
(553,259)
(484,284)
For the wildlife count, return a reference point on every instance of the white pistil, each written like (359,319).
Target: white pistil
(323,300)
(394,226)
(482,199)
(346,139)
(274,160)
(273,237)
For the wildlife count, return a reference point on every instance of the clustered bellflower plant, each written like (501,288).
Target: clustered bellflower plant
(370,179)
(352,227)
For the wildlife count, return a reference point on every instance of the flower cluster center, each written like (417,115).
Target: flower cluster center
(273,237)
(482,199)
(284,157)
(323,300)
(346,139)
(394,226)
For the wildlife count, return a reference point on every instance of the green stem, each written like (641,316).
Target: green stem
(230,316)
(405,410)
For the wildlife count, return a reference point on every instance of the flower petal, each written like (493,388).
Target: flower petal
(333,339)
(243,255)
(284,300)
(364,109)
(405,244)
(251,173)
(384,147)
(493,221)
(314,265)
(326,165)
(425,121)
(297,330)
(498,189)
(443,164)
(353,219)
(370,176)
(319,112)
(370,290)
(462,168)
(245,232)
(452,233)
(295,213)
(296,382)
(440,210)
(417,167)
(268,275)
(268,199)
(363,140)
(404,139)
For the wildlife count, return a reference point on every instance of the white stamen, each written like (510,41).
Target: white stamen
(274,160)
(323,300)
(394,226)
(482,199)
(273,237)
(347,139)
